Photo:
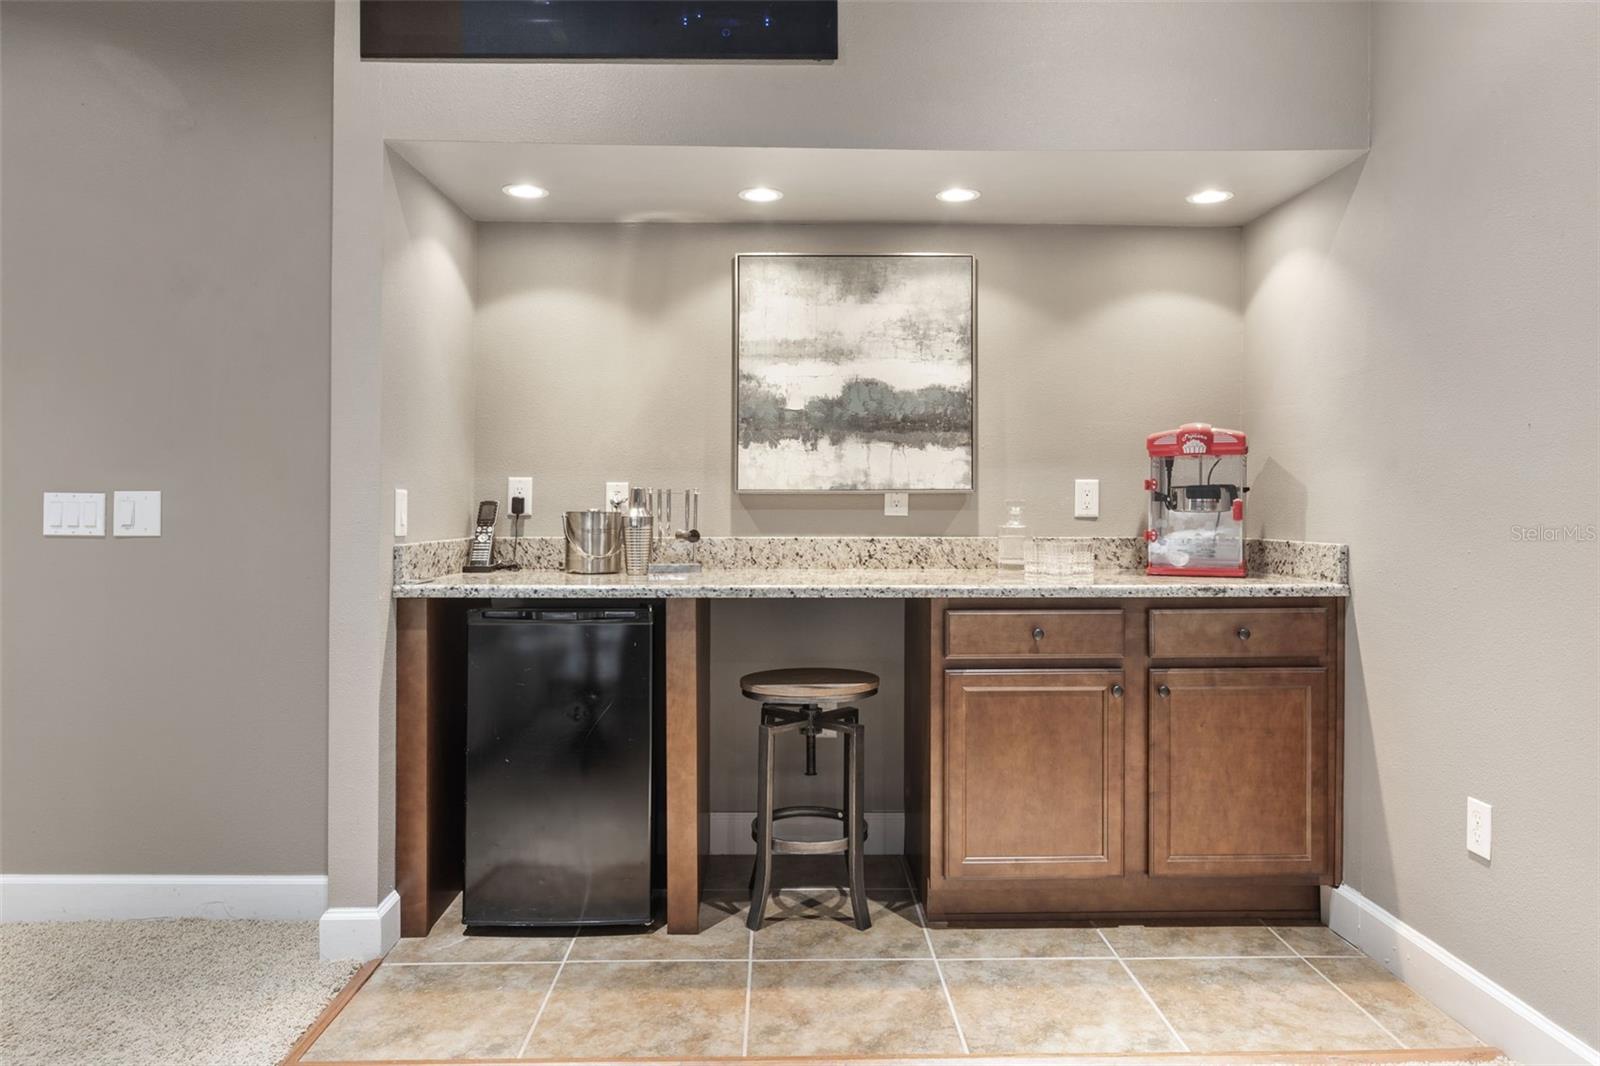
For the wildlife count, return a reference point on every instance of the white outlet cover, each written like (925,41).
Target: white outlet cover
(402,512)
(617,495)
(1480,827)
(1086,498)
(897,504)
(519,486)
(136,514)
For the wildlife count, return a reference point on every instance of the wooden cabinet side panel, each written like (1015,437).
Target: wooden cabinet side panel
(430,739)
(1335,874)
(919,667)
(688,756)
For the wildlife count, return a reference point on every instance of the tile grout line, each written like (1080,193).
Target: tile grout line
(1383,1028)
(922,920)
(545,1002)
(1182,1043)
(749,983)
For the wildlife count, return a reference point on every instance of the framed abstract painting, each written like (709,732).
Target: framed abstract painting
(855,373)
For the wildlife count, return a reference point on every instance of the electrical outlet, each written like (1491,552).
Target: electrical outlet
(519,486)
(617,495)
(897,504)
(402,520)
(1479,826)
(1086,498)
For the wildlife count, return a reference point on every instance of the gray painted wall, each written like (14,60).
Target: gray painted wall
(1421,380)
(605,352)
(429,261)
(975,74)
(166,214)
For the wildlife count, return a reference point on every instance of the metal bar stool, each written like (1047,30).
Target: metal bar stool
(812,702)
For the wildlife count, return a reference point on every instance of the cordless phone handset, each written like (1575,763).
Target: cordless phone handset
(480,554)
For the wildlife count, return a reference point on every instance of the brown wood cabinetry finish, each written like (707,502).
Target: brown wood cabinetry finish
(1227,800)
(430,747)
(1033,773)
(1239,633)
(1239,772)
(1032,634)
(1032,790)
(688,729)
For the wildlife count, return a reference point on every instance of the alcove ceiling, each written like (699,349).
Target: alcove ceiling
(658,183)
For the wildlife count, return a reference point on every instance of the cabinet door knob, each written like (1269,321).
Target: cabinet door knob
(1244,633)
(1038,632)
(1162,690)
(1116,690)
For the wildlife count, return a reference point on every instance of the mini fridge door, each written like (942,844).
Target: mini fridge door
(558,777)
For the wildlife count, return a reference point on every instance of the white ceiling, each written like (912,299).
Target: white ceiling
(644,183)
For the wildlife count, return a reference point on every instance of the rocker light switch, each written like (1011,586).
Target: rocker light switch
(74,514)
(136,514)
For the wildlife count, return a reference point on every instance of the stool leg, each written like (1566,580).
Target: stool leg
(855,796)
(761,880)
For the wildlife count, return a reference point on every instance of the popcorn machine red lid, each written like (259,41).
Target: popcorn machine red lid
(1196,438)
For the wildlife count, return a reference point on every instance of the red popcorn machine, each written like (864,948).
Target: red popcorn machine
(1197,488)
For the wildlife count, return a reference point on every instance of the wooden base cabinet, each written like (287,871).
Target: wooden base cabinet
(1239,772)
(1033,773)
(1129,759)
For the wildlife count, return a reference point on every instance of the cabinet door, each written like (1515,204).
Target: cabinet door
(1033,773)
(1239,773)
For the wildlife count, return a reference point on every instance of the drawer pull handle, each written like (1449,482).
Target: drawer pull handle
(1038,632)
(1116,690)
(1162,690)
(1244,632)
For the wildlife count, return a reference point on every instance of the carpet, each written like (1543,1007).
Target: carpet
(187,992)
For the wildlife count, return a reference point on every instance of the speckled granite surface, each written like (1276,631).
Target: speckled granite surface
(861,566)
(857,584)
(1301,558)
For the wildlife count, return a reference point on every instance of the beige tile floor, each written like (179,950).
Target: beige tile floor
(810,984)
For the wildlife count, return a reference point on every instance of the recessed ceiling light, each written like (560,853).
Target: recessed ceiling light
(760,195)
(956,195)
(1209,196)
(523,191)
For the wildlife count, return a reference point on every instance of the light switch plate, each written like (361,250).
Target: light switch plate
(136,514)
(897,504)
(402,512)
(1086,498)
(74,514)
(1479,827)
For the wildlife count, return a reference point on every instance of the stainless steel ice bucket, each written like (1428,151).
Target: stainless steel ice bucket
(594,541)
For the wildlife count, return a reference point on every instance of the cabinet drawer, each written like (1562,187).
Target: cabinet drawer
(1000,634)
(1239,633)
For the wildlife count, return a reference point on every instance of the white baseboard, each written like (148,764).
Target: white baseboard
(102,897)
(1496,1015)
(361,932)
(730,832)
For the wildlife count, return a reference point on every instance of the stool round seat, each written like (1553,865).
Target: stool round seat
(809,684)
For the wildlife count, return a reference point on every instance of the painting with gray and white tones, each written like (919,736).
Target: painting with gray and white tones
(855,373)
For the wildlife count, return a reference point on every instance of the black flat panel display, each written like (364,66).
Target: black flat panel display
(599,29)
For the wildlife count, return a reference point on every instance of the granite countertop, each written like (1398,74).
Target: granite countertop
(858,584)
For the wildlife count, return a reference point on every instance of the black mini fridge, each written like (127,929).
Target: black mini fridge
(561,777)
